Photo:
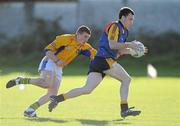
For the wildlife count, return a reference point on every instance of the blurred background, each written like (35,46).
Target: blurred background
(27,26)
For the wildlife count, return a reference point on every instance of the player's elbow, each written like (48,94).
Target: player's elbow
(86,90)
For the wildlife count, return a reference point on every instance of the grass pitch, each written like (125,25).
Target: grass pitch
(159,100)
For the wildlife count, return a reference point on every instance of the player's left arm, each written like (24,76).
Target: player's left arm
(88,51)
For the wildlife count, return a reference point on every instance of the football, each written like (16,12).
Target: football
(139,52)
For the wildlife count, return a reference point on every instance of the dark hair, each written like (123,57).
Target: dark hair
(125,11)
(83,28)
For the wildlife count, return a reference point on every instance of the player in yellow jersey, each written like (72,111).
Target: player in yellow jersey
(58,54)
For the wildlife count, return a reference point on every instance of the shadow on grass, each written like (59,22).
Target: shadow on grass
(82,121)
(42,119)
(101,122)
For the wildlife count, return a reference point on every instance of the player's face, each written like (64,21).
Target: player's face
(129,20)
(82,37)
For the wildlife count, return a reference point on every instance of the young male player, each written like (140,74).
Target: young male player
(58,54)
(112,44)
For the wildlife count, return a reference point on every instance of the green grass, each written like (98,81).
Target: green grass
(159,100)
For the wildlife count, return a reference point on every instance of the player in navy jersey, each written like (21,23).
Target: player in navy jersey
(111,46)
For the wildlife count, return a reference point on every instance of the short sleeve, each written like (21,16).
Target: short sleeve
(113,32)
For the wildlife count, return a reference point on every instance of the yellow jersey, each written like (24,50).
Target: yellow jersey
(66,48)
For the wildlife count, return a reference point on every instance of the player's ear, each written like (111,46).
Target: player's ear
(77,33)
(123,18)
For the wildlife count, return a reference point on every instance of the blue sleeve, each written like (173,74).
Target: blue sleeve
(85,53)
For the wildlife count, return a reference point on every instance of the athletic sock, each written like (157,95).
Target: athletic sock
(60,98)
(35,105)
(124,106)
(24,80)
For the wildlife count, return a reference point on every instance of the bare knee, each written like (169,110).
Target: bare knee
(87,90)
(126,80)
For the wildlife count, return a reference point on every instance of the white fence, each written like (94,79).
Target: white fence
(151,16)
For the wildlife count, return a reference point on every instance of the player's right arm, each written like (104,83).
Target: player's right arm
(113,39)
(54,58)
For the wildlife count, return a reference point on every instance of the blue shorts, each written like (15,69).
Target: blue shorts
(99,64)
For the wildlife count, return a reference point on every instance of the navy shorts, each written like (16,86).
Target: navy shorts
(98,64)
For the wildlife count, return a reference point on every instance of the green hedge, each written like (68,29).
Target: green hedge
(162,47)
